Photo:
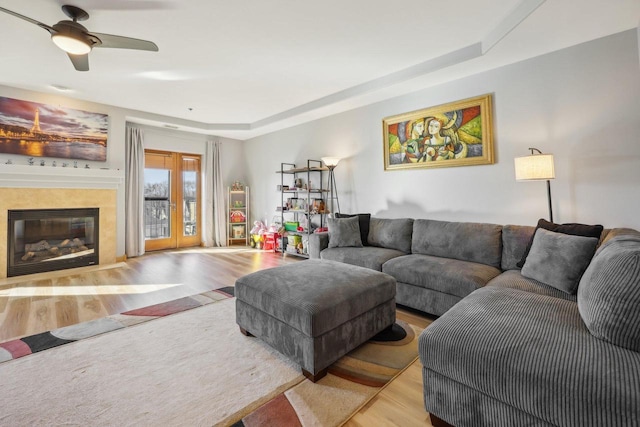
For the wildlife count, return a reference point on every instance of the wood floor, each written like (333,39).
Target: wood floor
(51,300)
(42,302)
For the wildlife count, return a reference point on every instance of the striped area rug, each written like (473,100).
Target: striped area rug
(190,368)
(43,341)
(291,400)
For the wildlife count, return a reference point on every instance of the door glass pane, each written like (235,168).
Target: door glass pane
(189,204)
(157,203)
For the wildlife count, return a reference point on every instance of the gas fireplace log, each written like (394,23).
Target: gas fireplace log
(42,245)
(66,243)
(42,255)
(28,256)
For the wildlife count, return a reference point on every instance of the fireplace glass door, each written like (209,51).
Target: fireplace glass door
(51,239)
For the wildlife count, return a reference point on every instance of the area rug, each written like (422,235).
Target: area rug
(188,366)
(25,346)
(352,381)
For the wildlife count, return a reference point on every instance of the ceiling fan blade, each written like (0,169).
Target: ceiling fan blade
(26,18)
(121,42)
(80,62)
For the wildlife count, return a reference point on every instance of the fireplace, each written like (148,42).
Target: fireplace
(51,239)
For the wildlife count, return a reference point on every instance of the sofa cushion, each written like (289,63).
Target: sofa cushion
(513,279)
(609,292)
(363,220)
(534,353)
(450,276)
(570,228)
(465,241)
(391,233)
(367,256)
(426,300)
(344,232)
(515,239)
(559,259)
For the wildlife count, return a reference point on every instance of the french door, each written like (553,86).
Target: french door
(172,207)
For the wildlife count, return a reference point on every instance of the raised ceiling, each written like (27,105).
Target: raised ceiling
(247,67)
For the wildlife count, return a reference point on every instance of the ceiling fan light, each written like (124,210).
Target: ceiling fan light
(71,45)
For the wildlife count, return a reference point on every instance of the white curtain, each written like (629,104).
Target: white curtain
(215,230)
(134,193)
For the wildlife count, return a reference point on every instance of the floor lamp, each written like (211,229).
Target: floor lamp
(331,163)
(536,167)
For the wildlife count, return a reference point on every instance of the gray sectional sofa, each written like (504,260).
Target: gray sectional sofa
(436,263)
(509,349)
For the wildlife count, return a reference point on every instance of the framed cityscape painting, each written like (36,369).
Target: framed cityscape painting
(455,134)
(41,130)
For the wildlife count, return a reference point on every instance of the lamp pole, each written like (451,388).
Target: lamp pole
(331,163)
(549,197)
(333,188)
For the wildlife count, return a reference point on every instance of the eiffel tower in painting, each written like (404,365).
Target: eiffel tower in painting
(36,123)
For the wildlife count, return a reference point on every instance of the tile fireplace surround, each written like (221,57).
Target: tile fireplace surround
(35,187)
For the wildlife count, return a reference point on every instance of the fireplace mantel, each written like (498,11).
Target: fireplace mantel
(20,176)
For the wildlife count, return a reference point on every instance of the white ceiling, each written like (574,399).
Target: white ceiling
(242,68)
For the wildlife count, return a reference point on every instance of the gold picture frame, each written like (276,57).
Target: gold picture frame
(454,134)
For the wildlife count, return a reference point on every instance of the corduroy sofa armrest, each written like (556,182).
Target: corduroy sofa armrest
(317,243)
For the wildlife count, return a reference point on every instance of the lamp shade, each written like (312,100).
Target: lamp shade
(535,167)
(330,161)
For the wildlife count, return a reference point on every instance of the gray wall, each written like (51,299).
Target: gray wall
(582,104)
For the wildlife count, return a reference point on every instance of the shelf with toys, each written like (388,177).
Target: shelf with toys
(237,214)
(302,205)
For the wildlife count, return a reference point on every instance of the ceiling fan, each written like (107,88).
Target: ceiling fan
(77,41)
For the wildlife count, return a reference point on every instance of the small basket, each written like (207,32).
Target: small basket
(291,225)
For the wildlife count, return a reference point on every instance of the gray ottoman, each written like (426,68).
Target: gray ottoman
(315,311)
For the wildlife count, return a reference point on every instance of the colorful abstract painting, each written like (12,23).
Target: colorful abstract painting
(42,130)
(455,134)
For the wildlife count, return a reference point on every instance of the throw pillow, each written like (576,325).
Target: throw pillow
(609,293)
(364,220)
(573,229)
(391,233)
(558,259)
(344,232)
